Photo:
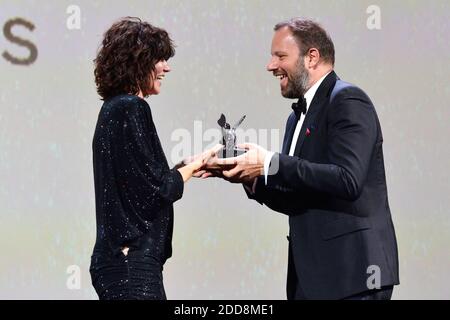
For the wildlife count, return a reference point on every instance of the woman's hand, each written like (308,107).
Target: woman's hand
(194,165)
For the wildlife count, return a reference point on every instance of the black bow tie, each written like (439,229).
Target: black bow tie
(299,107)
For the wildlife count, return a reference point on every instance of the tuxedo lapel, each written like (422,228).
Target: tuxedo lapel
(290,128)
(320,99)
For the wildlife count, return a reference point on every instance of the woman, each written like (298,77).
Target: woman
(134,187)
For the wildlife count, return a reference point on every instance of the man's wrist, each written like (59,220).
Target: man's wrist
(267,160)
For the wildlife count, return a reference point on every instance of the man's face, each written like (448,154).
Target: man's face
(287,65)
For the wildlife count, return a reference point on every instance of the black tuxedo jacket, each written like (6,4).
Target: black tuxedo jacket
(334,191)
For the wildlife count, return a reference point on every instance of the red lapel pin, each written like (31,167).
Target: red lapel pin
(308,132)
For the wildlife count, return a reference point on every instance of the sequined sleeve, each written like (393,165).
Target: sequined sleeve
(146,180)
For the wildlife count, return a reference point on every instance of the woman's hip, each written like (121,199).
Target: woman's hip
(134,276)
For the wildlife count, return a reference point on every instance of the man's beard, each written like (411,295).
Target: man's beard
(298,85)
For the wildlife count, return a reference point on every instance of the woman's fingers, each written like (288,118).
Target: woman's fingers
(214,150)
(206,175)
(199,173)
(247,146)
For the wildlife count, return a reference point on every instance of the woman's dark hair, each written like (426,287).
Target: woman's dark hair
(127,57)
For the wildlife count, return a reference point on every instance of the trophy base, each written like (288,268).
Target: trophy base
(231,153)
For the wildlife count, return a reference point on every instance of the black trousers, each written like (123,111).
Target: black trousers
(295,291)
(136,276)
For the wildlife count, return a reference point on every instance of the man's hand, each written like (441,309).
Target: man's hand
(244,168)
(214,167)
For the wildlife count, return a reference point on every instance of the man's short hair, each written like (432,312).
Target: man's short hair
(310,34)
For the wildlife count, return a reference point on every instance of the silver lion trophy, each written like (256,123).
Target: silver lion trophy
(229,138)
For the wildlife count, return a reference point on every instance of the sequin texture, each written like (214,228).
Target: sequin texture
(135,190)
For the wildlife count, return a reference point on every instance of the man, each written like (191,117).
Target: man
(329,177)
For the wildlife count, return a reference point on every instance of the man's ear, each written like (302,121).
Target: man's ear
(312,58)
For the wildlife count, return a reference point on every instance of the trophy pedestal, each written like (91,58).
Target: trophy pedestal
(231,153)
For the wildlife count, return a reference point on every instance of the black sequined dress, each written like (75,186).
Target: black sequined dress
(134,190)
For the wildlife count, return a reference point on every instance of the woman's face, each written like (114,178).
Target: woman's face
(161,68)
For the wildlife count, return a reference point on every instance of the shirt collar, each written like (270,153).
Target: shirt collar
(309,95)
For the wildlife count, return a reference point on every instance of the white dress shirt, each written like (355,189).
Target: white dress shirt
(309,95)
